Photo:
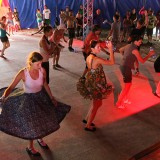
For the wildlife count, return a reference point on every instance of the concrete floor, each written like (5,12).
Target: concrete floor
(120,133)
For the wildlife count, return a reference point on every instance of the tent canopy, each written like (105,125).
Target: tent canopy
(27,8)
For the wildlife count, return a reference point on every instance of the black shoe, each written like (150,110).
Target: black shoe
(90,129)
(83,77)
(156,94)
(60,46)
(57,65)
(30,152)
(84,121)
(136,71)
(71,49)
(42,145)
(54,66)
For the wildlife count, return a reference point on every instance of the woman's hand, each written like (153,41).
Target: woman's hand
(109,45)
(2,99)
(151,53)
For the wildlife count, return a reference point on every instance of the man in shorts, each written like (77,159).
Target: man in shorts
(71,29)
(46,15)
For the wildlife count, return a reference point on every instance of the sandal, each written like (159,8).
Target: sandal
(42,144)
(84,121)
(90,129)
(32,152)
(156,94)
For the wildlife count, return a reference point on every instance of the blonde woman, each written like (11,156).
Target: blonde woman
(32,113)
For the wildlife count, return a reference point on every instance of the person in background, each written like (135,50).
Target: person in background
(3,36)
(9,16)
(46,15)
(33,112)
(95,86)
(81,10)
(56,37)
(130,56)
(89,27)
(62,17)
(133,18)
(46,49)
(16,20)
(127,24)
(115,30)
(98,18)
(144,16)
(67,11)
(71,20)
(79,25)
(39,18)
(151,24)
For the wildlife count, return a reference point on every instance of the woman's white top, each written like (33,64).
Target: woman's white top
(30,85)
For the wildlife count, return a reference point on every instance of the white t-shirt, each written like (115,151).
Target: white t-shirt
(46,13)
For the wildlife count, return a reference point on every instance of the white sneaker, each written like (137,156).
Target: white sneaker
(127,101)
(120,106)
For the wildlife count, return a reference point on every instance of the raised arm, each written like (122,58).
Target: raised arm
(111,60)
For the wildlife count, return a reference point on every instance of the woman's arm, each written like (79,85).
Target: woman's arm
(140,58)
(111,60)
(18,77)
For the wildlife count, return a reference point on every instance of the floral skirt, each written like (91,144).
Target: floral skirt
(90,90)
(31,115)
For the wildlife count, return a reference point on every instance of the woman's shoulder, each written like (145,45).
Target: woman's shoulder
(23,70)
(21,73)
(42,40)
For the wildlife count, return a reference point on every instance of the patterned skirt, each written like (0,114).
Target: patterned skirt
(31,115)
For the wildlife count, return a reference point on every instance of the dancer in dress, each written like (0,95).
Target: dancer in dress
(95,86)
(31,113)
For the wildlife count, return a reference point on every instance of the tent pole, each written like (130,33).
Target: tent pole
(87,15)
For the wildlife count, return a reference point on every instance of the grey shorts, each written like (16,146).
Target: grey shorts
(127,74)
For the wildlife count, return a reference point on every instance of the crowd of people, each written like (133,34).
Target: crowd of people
(30,118)
(8,24)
